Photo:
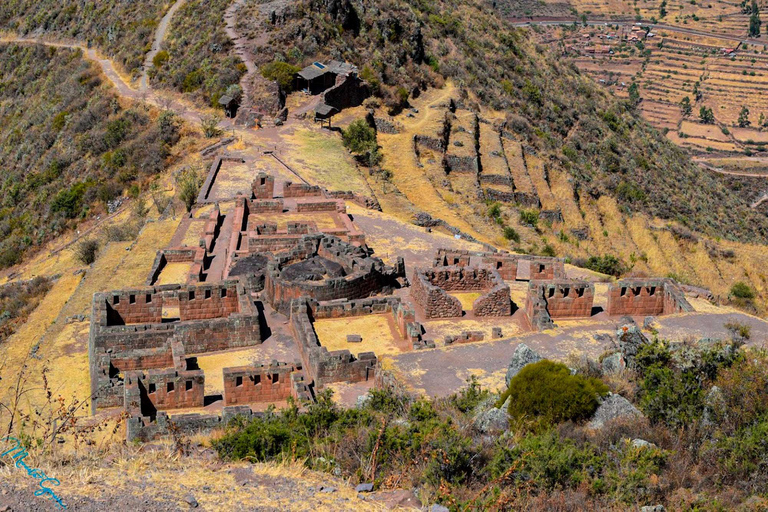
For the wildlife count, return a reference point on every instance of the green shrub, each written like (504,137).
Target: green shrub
(360,139)
(160,58)
(530,217)
(610,265)
(547,393)
(69,202)
(511,234)
(742,290)
(280,72)
(188,184)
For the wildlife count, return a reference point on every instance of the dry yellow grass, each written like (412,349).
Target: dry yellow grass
(377,331)
(194,233)
(233,178)
(467,299)
(320,157)
(213,364)
(174,273)
(324,220)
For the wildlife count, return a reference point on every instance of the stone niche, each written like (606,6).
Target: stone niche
(511,267)
(430,290)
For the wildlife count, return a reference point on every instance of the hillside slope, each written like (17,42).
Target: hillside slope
(67,144)
(562,116)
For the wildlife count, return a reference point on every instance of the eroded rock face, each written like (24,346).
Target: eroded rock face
(613,407)
(630,341)
(523,356)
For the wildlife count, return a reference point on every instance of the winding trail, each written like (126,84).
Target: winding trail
(162,29)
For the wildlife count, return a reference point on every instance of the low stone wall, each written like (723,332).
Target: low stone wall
(258,383)
(536,309)
(510,266)
(263,187)
(465,337)
(212,317)
(144,428)
(349,91)
(163,389)
(460,164)
(301,190)
(324,367)
(328,205)
(565,298)
(646,297)
(213,172)
(430,287)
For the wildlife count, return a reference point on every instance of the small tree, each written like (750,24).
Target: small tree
(761,120)
(744,117)
(360,139)
(634,94)
(86,251)
(210,125)
(685,106)
(663,9)
(706,115)
(188,185)
(754,21)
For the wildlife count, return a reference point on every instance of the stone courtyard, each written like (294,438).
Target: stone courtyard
(274,292)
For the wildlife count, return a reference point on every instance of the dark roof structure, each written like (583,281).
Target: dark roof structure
(324,110)
(316,69)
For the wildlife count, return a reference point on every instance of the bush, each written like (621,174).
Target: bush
(160,58)
(610,265)
(742,290)
(511,234)
(547,393)
(529,217)
(86,251)
(188,184)
(280,72)
(359,137)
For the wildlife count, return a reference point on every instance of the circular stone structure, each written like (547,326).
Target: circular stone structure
(315,268)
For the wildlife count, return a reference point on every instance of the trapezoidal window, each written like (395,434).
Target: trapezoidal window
(152,388)
(238,381)
(115,300)
(275,378)
(652,290)
(566,291)
(149,298)
(207,294)
(623,291)
(192,295)
(188,385)
(498,264)
(169,387)
(131,299)
(455,261)
(541,268)
(263,181)
(551,293)
(580,292)
(223,292)
(256,380)
(636,290)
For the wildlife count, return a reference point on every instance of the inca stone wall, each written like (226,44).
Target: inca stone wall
(510,266)
(565,298)
(258,383)
(324,367)
(430,287)
(163,389)
(646,297)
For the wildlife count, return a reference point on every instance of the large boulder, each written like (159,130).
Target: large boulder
(630,341)
(523,356)
(613,407)
(491,420)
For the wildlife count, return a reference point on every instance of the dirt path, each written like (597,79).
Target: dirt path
(162,29)
(158,99)
(712,168)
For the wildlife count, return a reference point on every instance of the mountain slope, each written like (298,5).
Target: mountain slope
(565,119)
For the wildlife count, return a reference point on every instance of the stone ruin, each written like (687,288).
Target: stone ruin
(431,286)
(326,268)
(646,297)
(308,271)
(558,298)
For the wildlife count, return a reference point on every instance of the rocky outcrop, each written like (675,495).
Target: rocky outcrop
(523,356)
(612,408)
